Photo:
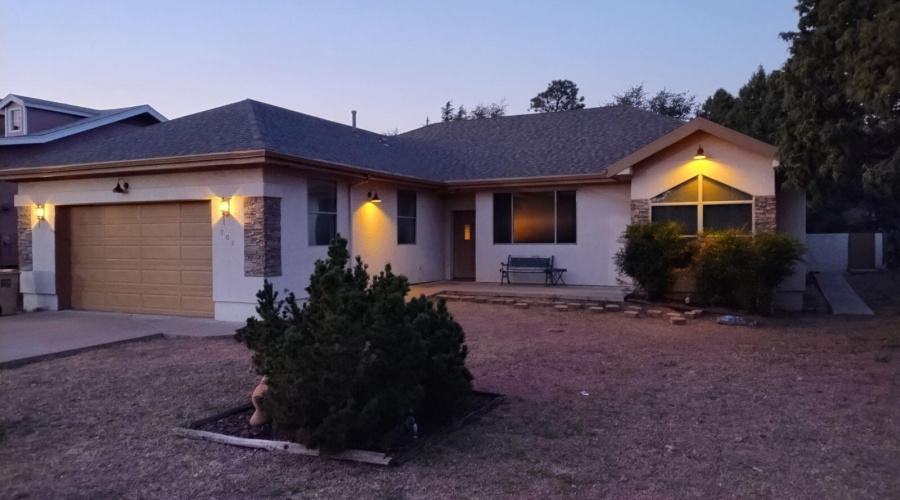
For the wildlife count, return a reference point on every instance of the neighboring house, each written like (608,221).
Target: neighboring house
(34,126)
(190,216)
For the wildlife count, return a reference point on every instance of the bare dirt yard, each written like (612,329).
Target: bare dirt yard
(599,407)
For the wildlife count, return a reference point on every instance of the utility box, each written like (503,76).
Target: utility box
(9,291)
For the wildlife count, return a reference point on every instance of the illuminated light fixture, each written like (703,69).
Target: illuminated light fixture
(121,187)
(39,212)
(373,197)
(225,207)
(701,155)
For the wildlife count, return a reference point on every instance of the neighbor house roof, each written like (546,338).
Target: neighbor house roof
(572,143)
(90,119)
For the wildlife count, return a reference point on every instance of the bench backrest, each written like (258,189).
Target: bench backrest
(529,262)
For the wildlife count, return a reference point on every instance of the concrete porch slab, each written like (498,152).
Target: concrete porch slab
(571,292)
(30,337)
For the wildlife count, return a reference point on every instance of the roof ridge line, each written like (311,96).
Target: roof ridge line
(255,132)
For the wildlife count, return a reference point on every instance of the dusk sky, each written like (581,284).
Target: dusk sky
(394,62)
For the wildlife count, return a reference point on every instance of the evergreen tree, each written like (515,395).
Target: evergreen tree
(561,95)
(841,133)
(346,367)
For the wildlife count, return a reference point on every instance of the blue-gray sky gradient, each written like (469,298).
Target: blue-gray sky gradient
(395,62)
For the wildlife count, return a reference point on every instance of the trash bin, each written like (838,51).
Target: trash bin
(9,291)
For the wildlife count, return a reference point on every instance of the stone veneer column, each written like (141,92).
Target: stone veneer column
(26,262)
(640,211)
(262,236)
(764,212)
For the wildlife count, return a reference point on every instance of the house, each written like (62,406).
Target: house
(189,216)
(32,126)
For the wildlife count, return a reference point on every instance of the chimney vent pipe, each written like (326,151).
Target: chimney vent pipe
(354,119)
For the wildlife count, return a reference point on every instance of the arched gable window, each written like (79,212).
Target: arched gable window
(704,204)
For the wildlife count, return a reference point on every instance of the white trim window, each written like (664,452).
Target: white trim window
(535,217)
(704,204)
(15,123)
(406,217)
(321,199)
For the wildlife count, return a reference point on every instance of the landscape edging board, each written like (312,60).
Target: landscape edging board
(363,456)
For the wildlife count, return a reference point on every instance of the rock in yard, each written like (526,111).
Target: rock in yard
(653,313)
(575,305)
(522,305)
(509,302)
(597,310)
(697,312)
(480,300)
(467,298)
(690,315)
(633,308)
(498,301)
(452,297)
(613,308)
(561,307)
(677,321)
(631,314)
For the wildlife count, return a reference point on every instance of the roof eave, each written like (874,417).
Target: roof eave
(685,131)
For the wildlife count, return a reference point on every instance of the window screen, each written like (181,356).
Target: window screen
(502,218)
(686,215)
(406,217)
(533,217)
(736,216)
(322,211)
(565,217)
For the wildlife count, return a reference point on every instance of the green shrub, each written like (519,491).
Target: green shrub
(650,253)
(345,367)
(736,269)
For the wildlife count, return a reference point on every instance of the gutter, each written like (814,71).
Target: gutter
(240,159)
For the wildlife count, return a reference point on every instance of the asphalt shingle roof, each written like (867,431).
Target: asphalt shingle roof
(571,142)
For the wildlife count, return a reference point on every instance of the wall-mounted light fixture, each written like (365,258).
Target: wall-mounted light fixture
(39,212)
(701,155)
(225,207)
(373,196)
(121,187)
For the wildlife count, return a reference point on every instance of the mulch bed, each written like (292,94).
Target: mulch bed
(236,423)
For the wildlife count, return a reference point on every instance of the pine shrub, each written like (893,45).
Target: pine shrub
(346,366)
(649,255)
(741,270)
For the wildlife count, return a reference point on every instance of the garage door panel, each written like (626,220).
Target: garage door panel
(201,230)
(196,254)
(122,277)
(160,252)
(151,259)
(130,231)
(122,252)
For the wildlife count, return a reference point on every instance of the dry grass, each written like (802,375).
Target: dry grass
(800,408)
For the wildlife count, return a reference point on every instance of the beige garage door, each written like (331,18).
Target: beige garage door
(151,259)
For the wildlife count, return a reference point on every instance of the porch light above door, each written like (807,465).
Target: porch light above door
(373,196)
(701,155)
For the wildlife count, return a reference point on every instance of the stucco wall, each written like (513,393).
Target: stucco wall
(602,213)
(375,232)
(232,292)
(792,219)
(725,162)
(827,253)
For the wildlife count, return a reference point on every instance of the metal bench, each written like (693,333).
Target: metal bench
(532,265)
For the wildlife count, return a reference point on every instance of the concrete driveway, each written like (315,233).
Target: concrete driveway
(25,338)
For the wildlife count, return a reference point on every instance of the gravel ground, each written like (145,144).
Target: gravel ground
(804,407)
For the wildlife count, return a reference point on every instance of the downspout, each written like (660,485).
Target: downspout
(350,211)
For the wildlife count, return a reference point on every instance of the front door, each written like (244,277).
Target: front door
(464,245)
